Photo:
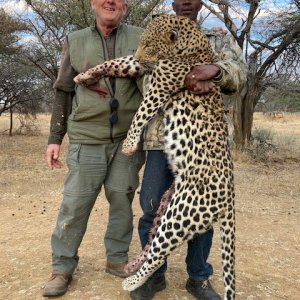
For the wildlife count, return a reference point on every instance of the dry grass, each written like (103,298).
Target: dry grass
(268,225)
(286,130)
(276,139)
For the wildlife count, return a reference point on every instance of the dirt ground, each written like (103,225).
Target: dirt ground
(268,226)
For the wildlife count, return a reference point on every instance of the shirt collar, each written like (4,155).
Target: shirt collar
(114,31)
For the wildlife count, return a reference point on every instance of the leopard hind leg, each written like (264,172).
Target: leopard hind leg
(175,228)
(135,264)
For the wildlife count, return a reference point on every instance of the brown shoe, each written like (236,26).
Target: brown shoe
(117,269)
(57,285)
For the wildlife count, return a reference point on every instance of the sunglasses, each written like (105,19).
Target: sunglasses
(113,104)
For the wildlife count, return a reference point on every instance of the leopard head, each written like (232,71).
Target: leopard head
(172,37)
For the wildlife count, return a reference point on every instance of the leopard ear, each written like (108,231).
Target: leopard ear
(173,35)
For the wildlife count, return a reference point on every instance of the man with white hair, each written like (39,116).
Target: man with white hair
(97,120)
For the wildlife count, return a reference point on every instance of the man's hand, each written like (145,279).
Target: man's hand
(198,80)
(52,156)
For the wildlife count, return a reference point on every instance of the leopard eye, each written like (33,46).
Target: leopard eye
(174,34)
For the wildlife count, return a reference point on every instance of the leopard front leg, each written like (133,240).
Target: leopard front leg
(167,79)
(155,98)
(126,66)
(146,112)
(91,76)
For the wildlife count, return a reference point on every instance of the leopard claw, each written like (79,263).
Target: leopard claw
(128,152)
(133,282)
(127,149)
(131,267)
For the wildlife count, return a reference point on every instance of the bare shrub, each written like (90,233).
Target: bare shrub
(266,146)
(28,125)
(261,146)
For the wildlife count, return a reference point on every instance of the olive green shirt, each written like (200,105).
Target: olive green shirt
(80,111)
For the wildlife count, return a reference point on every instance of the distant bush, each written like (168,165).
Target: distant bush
(261,144)
(266,145)
(28,125)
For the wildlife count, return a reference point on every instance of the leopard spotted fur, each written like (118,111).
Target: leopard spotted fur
(195,141)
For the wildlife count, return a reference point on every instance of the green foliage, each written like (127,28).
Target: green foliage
(51,22)
(140,11)
(282,96)
(65,15)
(9,27)
(22,88)
(26,83)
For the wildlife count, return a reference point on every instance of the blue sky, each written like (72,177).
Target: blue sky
(19,7)
(13,5)
(267,6)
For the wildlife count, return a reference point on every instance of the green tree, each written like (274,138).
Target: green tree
(23,88)
(51,22)
(279,97)
(140,11)
(9,29)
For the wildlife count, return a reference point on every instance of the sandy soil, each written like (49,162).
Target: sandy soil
(268,226)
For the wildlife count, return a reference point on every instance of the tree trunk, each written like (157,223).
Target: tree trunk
(244,104)
(249,103)
(237,117)
(11,121)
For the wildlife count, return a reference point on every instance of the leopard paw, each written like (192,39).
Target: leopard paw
(128,148)
(85,80)
(133,282)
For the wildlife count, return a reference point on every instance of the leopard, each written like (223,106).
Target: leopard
(196,141)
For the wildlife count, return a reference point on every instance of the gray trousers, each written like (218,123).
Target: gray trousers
(90,167)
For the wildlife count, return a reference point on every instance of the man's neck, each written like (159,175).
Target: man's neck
(105,30)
